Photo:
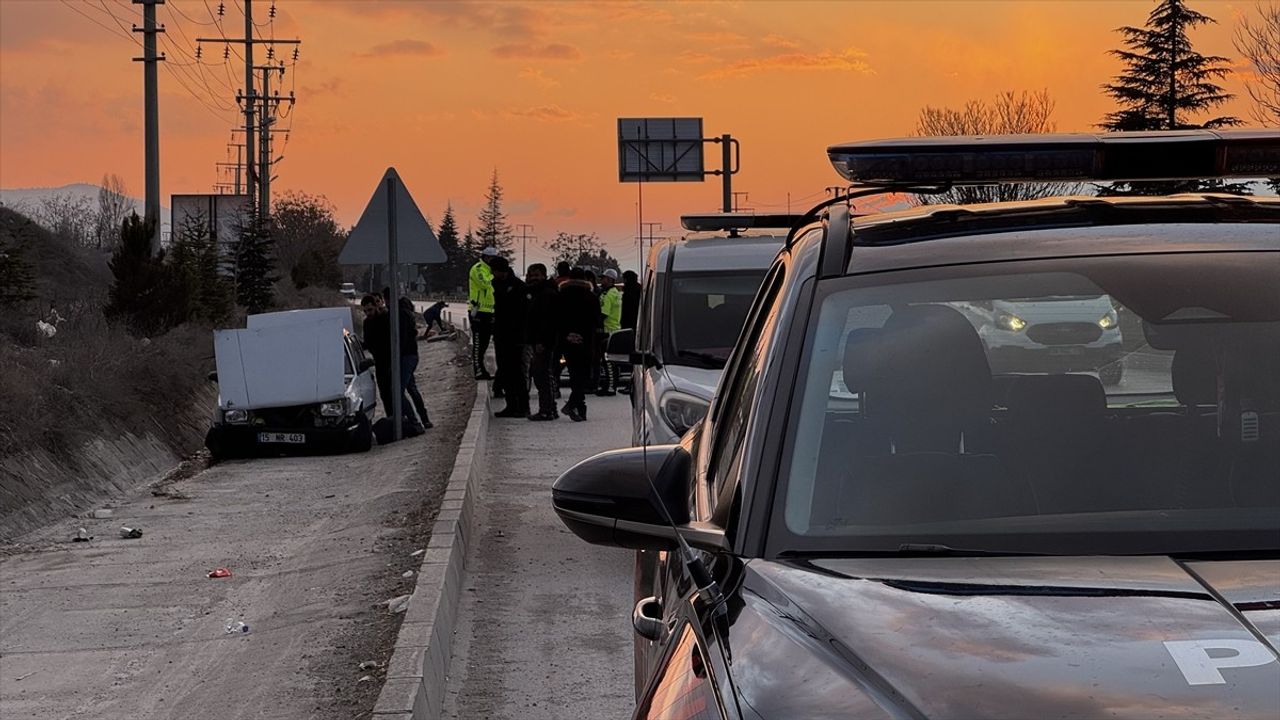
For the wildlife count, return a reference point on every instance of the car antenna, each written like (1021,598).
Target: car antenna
(697,570)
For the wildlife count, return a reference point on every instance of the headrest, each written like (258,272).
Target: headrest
(1195,376)
(926,376)
(1057,396)
(861,364)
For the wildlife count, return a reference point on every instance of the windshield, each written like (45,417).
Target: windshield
(1107,405)
(707,312)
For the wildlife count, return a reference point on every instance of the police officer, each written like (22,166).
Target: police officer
(480,308)
(611,318)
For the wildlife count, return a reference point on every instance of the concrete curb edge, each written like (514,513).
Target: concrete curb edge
(417,674)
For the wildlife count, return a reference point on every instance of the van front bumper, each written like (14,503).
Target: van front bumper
(238,440)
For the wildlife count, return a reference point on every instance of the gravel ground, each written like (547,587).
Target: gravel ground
(118,628)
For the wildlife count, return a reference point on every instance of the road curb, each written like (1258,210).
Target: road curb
(416,675)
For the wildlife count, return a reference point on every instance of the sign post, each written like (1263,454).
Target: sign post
(393,261)
(391,231)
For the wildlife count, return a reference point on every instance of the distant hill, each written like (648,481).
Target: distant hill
(25,200)
(62,272)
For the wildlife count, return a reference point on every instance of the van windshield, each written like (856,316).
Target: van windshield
(706,314)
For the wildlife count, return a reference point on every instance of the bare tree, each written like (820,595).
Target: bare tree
(113,206)
(67,216)
(1258,40)
(1009,114)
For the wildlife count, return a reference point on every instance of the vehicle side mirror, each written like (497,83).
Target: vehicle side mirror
(608,500)
(213,376)
(365,364)
(621,344)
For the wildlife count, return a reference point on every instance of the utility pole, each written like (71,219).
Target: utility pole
(264,146)
(151,106)
(236,166)
(249,99)
(524,238)
(650,226)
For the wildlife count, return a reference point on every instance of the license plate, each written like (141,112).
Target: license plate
(290,438)
(1065,350)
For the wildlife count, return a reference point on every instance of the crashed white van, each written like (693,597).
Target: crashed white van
(293,381)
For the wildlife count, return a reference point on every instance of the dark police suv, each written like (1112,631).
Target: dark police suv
(876,520)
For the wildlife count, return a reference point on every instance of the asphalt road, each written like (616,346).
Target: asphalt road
(545,622)
(133,629)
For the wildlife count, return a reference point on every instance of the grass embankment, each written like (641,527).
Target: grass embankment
(92,409)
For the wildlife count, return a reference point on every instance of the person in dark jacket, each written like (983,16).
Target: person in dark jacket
(540,335)
(509,320)
(630,299)
(578,312)
(432,317)
(377,340)
(409,359)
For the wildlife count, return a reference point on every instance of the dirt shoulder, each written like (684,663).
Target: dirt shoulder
(134,628)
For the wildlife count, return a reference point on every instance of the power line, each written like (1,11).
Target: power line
(94,20)
(172,5)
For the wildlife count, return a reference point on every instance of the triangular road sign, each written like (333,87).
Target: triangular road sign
(367,243)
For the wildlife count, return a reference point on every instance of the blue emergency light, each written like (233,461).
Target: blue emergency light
(997,159)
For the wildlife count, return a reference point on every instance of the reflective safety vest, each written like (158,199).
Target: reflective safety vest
(480,287)
(611,308)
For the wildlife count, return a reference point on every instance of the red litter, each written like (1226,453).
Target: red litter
(220,573)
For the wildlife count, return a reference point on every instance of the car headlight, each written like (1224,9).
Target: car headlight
(1106,322)
(235,416)
(334,408)
(681,411)
(1010,322)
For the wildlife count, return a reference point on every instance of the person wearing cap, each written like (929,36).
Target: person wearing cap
(611,319)
(480,308)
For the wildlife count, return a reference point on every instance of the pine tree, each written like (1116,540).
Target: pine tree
(445,277)
(17,279)
(1165,83)
(196,264)
(255,265)
(495,231)
(144,293)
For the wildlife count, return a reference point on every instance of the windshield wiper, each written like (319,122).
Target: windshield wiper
(909,549)
(936,549)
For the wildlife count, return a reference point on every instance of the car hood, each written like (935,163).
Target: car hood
(280,366)
(1009,638)
(695,381)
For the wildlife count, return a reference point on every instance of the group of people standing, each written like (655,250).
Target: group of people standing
(536,322)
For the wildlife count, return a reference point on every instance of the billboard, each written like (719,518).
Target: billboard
(221,214)
(660,150)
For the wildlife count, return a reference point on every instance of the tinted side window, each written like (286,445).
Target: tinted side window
(737,391)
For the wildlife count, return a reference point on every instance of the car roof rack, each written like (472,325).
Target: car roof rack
(705,222)
(1079,157)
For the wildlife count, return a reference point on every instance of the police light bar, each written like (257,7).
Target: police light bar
(710,222)
(995,159)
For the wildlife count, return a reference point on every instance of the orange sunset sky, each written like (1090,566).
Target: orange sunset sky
(446,91)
